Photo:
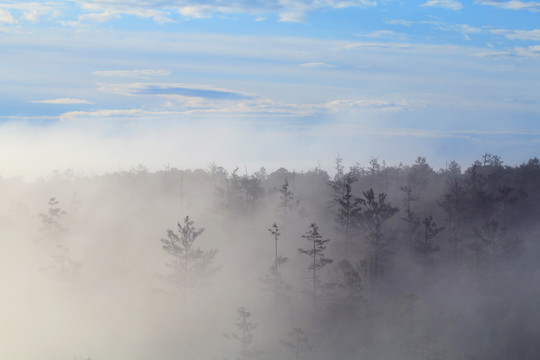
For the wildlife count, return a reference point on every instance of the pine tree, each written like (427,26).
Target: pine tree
(51,219)
(287,202)
(273,277)
(297,343)
(453,204)
(411,218)
(244,335)
(191,266)
(348,208)
(63,267)
(347,204)
(317,255)
(376,212)
(425,245)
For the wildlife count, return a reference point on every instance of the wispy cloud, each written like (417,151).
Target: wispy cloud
(242,107)
(317,65)
(533,35)
(466,30)
(132,73)
(191,92)
(386,34)
(63,101)
(512,5)
(516,52)
(29,11)
(163,11)
(447,4)
(99,17)
(175,89)
(399,22)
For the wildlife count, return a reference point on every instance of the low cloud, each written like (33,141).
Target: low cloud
(240,107)
(63,101)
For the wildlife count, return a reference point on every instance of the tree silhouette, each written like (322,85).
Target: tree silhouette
(297,342)
(425,245)
(51,219)
(316,252)
(244,333)
(411,218)
(190,265)
(273,277)
(375,213)
(348,205)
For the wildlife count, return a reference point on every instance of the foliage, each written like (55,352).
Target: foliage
(316,252)
(297,343)
(244,334)
(273,277)
(190,265)
(51,219)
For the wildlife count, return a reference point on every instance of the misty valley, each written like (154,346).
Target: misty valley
(364,261)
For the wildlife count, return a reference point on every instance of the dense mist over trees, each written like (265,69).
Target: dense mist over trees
(365,262)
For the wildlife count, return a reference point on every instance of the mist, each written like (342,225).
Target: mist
(372,262)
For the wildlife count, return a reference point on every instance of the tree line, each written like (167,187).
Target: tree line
(382,248)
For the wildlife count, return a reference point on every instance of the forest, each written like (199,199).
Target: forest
(366,261)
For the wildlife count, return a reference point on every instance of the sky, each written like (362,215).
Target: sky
(105,85)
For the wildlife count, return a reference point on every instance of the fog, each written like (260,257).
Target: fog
(420,263)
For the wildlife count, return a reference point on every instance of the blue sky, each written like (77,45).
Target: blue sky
(102,85)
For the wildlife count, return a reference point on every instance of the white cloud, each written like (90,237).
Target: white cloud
(132,73)
(197,11)
(99,17)
(533,35)
(377,105)
(5,17)
(179,106)
(389,34)
(399,22)
(31,11)
(105,114)
(175,90)
(512,5)
(317,65)
(160,11)
(63,101)
(447,4)
(516,52)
